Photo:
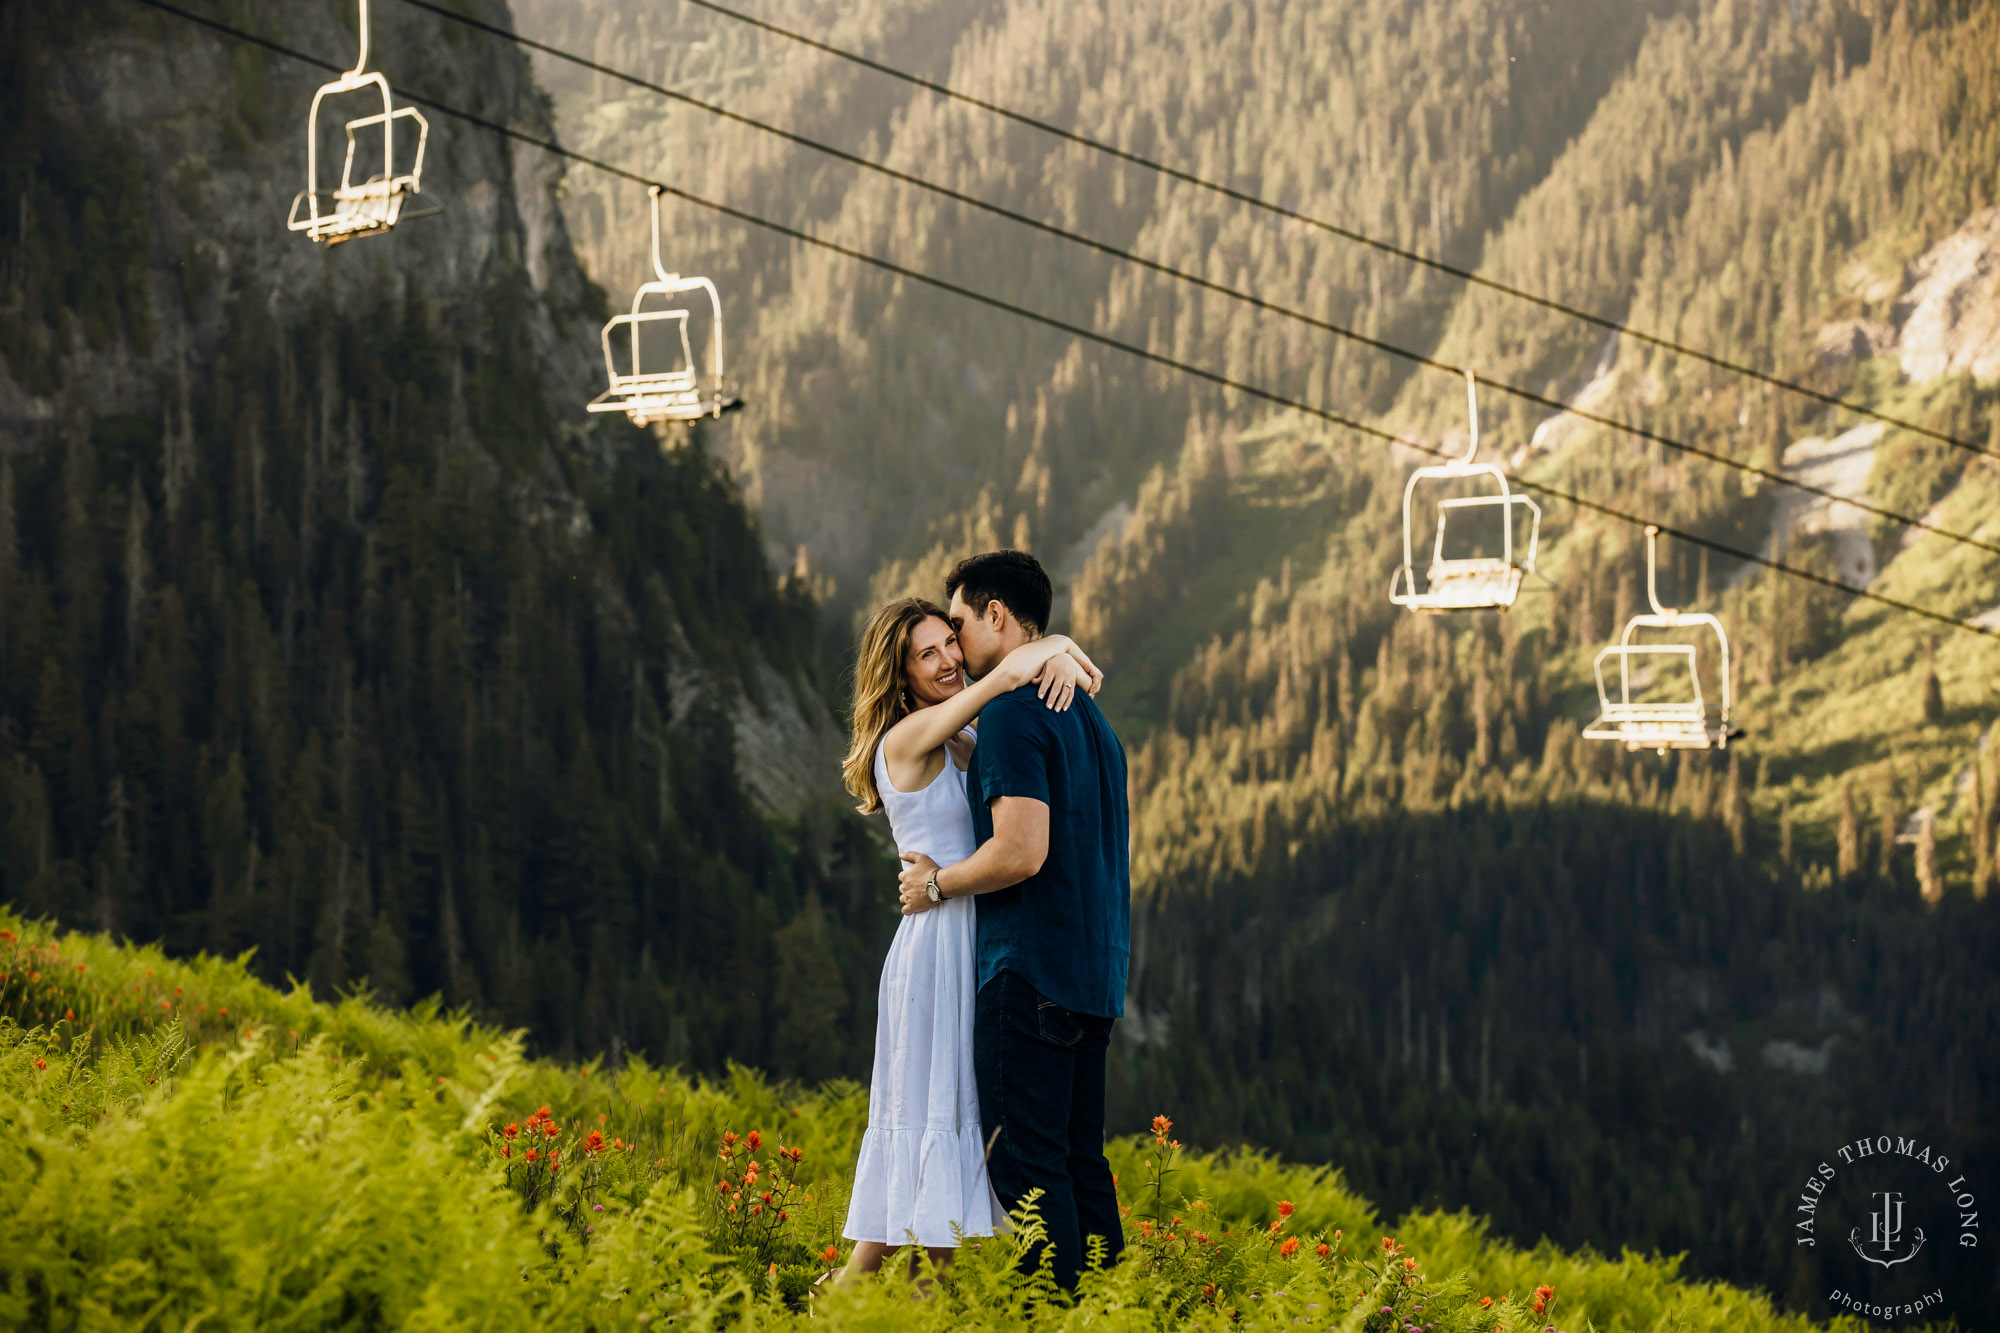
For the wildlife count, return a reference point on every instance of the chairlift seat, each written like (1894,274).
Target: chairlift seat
(675,393)
(1659,724)
(377,203)
(1472,583)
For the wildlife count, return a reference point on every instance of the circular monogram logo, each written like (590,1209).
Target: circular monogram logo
(1890,1224)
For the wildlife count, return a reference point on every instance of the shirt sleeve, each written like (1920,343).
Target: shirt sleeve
(1013,751)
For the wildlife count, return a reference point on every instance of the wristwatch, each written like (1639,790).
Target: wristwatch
(931,889)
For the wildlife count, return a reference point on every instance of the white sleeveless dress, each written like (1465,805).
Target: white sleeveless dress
(922,1167)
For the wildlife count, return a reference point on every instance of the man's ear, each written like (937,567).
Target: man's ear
(996,615)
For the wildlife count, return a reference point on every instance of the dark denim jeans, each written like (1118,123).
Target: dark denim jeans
(1041,1104)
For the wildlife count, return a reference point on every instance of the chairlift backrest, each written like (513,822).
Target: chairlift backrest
(377,203)
(1471,582)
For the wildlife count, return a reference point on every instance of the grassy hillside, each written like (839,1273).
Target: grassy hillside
(186,1144)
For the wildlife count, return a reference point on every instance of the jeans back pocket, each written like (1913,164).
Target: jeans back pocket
(1057,1024)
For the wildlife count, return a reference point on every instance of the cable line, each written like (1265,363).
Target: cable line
(1335,229)
(1205,284)
(1079,331)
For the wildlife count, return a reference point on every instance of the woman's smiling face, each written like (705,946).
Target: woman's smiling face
(934,666)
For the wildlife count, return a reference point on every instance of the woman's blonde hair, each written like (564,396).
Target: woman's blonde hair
(882,695)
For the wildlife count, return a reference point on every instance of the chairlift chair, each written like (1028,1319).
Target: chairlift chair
(1471,583)
(1669,724)
(371,206)
(673,394)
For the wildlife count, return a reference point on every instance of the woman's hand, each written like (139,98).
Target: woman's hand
(1026,663)
(1056,684)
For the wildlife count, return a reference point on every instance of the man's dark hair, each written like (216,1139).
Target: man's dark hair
(1015,579)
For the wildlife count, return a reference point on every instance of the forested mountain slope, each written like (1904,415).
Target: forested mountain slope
(1395,912)
(328,628)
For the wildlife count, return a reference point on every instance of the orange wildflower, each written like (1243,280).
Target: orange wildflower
(1323,1250)
(1161,1126)
(1290,1247)
(753,1140)
(1486,1302)
(1286,1208)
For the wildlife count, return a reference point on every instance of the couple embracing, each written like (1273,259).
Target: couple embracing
(1005,792)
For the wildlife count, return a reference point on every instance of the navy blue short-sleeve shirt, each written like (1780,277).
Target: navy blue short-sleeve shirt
(1067,929)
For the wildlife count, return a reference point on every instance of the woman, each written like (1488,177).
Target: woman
(921,1177)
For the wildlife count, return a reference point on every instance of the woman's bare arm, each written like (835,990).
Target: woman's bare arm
(927,729)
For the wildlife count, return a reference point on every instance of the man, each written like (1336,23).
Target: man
(1054,936)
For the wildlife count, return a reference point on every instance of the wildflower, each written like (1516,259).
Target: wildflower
(1336,1233)
(532,1154)
(598,1207)
(1201,1238)
(1545,1295)
(41,1064)
(69,1015)
(549,1129)
(595,1143)
(784,1216)
(722,1186)
(1161,1125)
(1388,1243)
(1486,1302)
(756,1208)
(512,1130)
(542,1114)
(1409,1263)
(753,1140)
(1277,1224)
(1290,1247)
(1286,1208)
(792,1155)
(1323,1250)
